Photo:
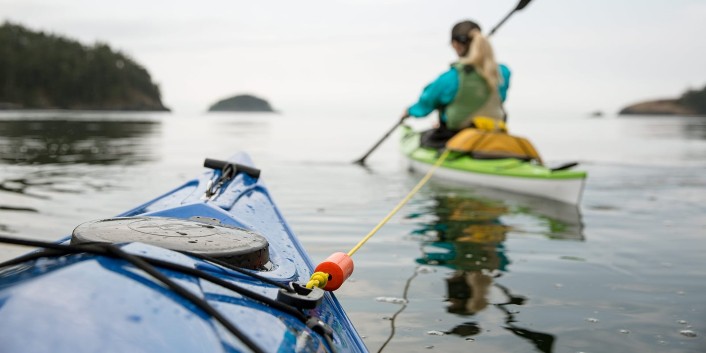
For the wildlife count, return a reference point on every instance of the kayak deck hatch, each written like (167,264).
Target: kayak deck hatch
(209,266)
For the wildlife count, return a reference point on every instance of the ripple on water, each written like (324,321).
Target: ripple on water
(436,333)
(688,333)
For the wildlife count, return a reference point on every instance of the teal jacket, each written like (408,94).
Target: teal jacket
(443,90)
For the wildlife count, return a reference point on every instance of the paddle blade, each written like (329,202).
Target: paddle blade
(564,166)
(522,4)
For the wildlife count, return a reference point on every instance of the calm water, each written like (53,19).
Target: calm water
(459,269)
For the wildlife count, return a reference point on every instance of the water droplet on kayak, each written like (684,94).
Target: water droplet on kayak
(391,300)
(688,333)
(435,333)
(592,320)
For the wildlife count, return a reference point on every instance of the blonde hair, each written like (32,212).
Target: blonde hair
(480,56)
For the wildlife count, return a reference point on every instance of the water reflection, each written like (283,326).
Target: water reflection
(58,140)
(695,128)
(466,233)
(51,161)
(667,127)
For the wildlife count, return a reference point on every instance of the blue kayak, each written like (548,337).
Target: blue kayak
(211,266)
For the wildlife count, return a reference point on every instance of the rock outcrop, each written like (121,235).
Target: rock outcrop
(241,103)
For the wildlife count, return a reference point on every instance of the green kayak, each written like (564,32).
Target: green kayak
(512,174)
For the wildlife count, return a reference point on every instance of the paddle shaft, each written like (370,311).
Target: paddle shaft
(521,5)
(362,159)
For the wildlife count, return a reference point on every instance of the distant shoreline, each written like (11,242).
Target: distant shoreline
(664,107)
(49,71)
(690,103)
(34,109)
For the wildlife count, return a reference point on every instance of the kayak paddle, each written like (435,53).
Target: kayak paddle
(521,5)
(361,161)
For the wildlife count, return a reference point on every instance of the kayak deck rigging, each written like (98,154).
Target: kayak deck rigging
(100,271)
(149,265)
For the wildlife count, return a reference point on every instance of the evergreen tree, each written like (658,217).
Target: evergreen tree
(39,70)
(695,100)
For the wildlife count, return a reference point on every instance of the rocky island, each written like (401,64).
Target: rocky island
(241,103)
(691,103)
(47,71)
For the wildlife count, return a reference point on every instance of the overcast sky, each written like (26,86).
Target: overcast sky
(375,56)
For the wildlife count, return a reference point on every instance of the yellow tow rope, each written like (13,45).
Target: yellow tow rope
(404,201)
(320,279)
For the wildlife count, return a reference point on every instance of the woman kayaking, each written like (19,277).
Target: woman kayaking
(474,86)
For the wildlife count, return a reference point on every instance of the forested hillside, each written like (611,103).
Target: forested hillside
(695,99)
(46,71)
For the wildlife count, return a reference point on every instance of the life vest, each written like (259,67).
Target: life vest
(473,98)
(488,124)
